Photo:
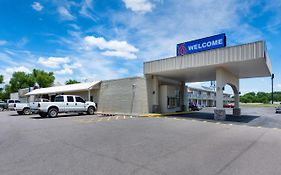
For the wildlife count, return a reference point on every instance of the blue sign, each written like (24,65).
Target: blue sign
(212,42)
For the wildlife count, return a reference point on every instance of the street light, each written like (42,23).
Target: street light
(272,77)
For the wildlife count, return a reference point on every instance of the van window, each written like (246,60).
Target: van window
(17,101)
(59,99)
(11,101)
(70,99)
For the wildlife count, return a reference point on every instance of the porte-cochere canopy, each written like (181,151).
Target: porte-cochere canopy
(224,65)
(243,61)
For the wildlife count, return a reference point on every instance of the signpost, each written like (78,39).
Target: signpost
(212,42)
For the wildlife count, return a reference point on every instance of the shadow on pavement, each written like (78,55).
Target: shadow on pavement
(38,117)
(210,116)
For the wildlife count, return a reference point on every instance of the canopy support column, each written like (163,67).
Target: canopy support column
(224,77)
(89,95)
(155,94)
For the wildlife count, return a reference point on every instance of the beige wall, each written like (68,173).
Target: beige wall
(127,95)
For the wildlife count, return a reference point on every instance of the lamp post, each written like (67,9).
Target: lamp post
(272,77)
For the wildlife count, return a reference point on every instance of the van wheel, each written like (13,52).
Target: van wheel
(53,112)
(43,114)
(91,110)
(26,111)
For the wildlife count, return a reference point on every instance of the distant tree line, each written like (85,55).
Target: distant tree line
(260,97)
(70,81)
(21,80)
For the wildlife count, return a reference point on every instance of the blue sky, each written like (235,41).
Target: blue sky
(92,40)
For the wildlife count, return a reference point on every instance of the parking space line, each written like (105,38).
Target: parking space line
(111,118)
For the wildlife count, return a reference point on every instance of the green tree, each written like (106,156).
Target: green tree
(248,98)
(71,81)
(1,79)
(20,80)
(44,79)
(5,94)
(262,97)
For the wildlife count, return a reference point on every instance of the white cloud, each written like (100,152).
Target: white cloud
(122,71)
(17,69)
(141,6)
(87,9)
(74,26)
(120,54)
(53,62)
(37,6)
(6,59)
(113,47)
(22,42)
(100,69)
(76,65)
(65,14)
(158,33)
(3,42)
(68,69)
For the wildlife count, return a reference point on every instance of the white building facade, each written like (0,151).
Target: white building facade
(163,87)
(206,97)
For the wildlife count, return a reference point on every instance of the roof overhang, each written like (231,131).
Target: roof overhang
(64,89)
(244,61)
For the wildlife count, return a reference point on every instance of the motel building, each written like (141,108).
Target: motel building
(163,87)
(206,96)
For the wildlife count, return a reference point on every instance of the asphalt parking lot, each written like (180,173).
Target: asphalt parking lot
(135,145)
(252,116)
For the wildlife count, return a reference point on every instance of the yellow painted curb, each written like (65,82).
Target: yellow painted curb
(165,114)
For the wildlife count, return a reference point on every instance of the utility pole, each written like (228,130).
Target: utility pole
(272,77)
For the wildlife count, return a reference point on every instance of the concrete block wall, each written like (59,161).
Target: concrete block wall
(127,96)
